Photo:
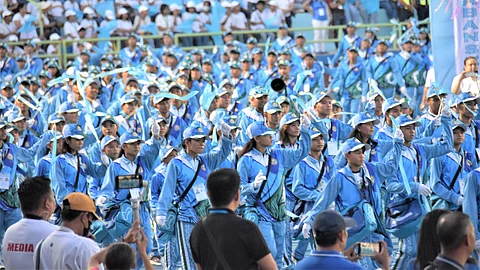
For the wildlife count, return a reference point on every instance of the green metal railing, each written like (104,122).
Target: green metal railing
(63,56)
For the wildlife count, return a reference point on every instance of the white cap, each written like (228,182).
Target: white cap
(69,13)
(6,13)
(12,38)
(45,5)
(54,36)
(122,11)
(234,4)
(35,40)
(87,45)
(88,10)
(225,4)
(142,8)
(273,3)
(191,4)
(175,7)
(109,14)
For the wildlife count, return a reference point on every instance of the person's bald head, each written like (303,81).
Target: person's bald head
(455,230)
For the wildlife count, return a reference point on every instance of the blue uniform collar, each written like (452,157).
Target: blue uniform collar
(127,161)
(257,153)
(327,253)
(221,211)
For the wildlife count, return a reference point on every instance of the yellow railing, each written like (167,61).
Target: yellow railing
(63,56)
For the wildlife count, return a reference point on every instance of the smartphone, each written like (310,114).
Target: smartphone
(128,181)
(368,249)
(471,74)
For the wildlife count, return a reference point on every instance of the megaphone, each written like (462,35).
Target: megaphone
(278,85)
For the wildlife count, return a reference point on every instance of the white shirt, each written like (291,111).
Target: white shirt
(238,20)
(63,249)
(467,85)
(69,5)
(164,22)
(125,25)
(278,15)
(141,22)
(257,17)
(71,28)
(20,241)
(56,10)
(284,4)
(430,78)
(91,27)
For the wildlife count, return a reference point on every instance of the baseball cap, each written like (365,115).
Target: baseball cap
(288,118)
(272,107)
(194,131)
(252,40)
(314,133)
(168,149)
(322,95)
(131,79)
(259,129)
(283,99)
(80,202)
(353,144)
(258,92)
(235,64)
(406,120)
(55,118)
(127,99)
(392,102)
(466,97)
(2,124)
(15,116)
(74,131)
(436,89)
(330,221)
(108,118)
(362,118)
(129,137)
(284,62)
(68,107)
(352,24)
(458,124)
(108,139)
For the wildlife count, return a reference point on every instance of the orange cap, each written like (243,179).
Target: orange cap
(80,202)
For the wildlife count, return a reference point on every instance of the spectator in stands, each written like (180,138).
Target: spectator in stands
(457,241)
(274,15)
(199,26)
(57,10)
(320,18)
(7,27)
(71,4)
(69,246)
(330,232)
(89,23)
(286,6)
(11,5)
(71,26)
(237,21)
(338,15)
(229,241)
(371,10)
(256,20)
(20,19)
(87,3)
(164,20)
(190,12)
(124,25)
(355,11)
(390,9)
(141,19)
(405,9)
(37,204)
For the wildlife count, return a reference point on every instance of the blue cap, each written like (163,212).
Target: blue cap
(74,131)
(168,33)
(252,40)
(129,136)
(458,124)
(353,48)
(194,131)
(392,102)
(371,29)
(353,144)
(466,97)
(314,132)
(128,98)
(106,66)
(15,116)
(2,124)
(108,139)
(259,129)
(284,26)
(235,64)
(258,92)
(68,107)
(321,95)
(406,120)
(338,104)
(59,136)
(7,84)
(256,50)
(284,62)
(362,118)
(272,107)
(352,24)
(453,101)
(108,118)
(168,149)
(289,118)
(55,118)
(436,89)
(282,99)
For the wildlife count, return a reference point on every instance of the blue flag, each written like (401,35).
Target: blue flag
(102,7)
(105,33)
(151,28)
(187,26)
(28,26)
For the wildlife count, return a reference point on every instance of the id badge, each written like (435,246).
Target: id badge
(461,183)
(4,181)
(321,186)
(321,12)
(135,193)
(200,193)
(332,148)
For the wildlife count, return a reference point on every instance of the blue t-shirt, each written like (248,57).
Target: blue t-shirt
(327,260)
(319,8)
